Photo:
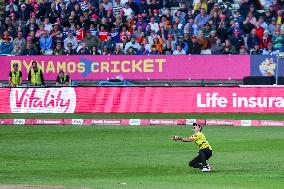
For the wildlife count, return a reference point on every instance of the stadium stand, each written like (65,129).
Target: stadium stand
(38,27)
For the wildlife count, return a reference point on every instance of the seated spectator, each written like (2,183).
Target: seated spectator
(70,49)
(58,50)
(195,47)
(154,50)
(6,47)
(204,42)
(131,51)
(259,30)
(265,40)
(56,34)
(207,29)
(168,49)
(83,49)
(45,43)
(179,50)
(109,44)
(256,50)
(127,9)
(16,51)
(217,48)
(243,51)
(201,19)
(183,44)
(272,26)
(47,25)
(232,49)
(278,41)
(117,6)
(252,39)
(19,41)
(213,37)
(237,40)
(132,43)
(118,50)
(28,50)
(159,43)
(269,50)
(71,39)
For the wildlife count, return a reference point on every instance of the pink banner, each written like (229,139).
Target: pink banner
(133,67)
(143,100)
(139,122)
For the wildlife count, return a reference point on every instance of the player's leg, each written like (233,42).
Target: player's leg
(196,162)
(208,153)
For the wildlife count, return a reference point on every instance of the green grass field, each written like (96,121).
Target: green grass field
(104,157)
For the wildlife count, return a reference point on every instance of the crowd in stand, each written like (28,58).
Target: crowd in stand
(141,27)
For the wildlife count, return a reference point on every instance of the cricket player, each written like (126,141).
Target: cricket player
(205,150)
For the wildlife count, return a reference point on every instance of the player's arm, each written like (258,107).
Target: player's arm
(188,139)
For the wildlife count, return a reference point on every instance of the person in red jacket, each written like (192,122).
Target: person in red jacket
(265,40)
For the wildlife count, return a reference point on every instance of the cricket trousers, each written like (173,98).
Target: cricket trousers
(200,160)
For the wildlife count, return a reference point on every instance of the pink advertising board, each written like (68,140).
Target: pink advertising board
(143,100)
(133,67)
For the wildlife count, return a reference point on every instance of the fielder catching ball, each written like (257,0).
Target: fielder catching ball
(205,150)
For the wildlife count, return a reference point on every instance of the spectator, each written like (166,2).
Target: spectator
(237,40)
(15,76)
(24,13)
(35,76)
(62,79)
(131,51)
(117,6)
(168,49)
(213,37)
(95,51)
(243,50)
(11,4)
(56,34)
(232,49)
(118,50)
(58,50)
(179,50)
(127,10)
(16,51)
(159,43)
(52,13)
(6,47)
(70,40)
(203,41)
(70,49)
(256,50)
(47,25)
(269,50)
(184,45)
(133,44)
(259,30)
(45,42)
(83,49)
(144,7)
(109,44)
(143,50)
(278,41)
(252,39)
(201,19)
(19,41)
(272,27)
(217,48)
(195,47)
(265,40)
(154,50)
(28,50)
(140,22)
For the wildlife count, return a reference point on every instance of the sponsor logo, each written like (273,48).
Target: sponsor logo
(190,121)
(19,121)
(219,122)
(134,122)
(162,122)
(271,123)
(245,122)
(2,122)
(48,122)
(267,67)
(106,122)
(43,100)
(77,121)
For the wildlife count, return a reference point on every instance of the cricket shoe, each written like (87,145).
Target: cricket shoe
(206,168)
